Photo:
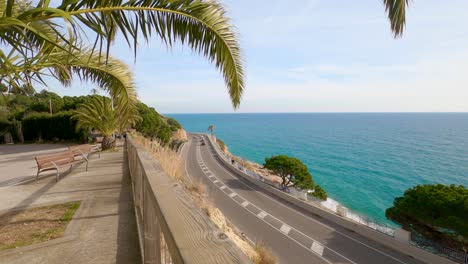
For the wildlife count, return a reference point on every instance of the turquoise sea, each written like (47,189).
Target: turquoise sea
(363,160)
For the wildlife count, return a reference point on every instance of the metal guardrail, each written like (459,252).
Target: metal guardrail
(429,246)
(170,228)
(304,195)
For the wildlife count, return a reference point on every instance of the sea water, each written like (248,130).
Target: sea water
(362,160)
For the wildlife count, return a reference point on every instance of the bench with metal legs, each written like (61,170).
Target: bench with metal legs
(58,160)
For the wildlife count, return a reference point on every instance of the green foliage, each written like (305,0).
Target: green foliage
(97,114)
(291,170)
(174,124)
(5,126)
(73,102)
(33,34)
(152,124)
(436,207)
(43,126)
(396,11)
(320,193)
(42,101)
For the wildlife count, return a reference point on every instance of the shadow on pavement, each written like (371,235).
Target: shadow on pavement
(127,233)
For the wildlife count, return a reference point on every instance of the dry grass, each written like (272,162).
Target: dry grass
(35,225)
(196,188)
(264,255)
(169,159)
(173,165)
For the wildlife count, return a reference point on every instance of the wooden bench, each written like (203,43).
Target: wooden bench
(84,150)
(58,160)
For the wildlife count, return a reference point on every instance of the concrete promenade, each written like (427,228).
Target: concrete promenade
(103,229)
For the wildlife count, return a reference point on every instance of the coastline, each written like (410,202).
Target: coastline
(329,204)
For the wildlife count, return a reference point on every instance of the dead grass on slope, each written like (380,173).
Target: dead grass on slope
(173,165)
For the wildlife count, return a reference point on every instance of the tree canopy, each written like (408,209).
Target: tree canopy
(154,125)
(438,208)
(291,170)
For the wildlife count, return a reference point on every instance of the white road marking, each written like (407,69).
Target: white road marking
(232,194)
(293,239)
(215,181)
(285,229)
(317,248)
(316,221)
(244,204)
(262,214)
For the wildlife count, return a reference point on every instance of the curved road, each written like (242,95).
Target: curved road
(293,236)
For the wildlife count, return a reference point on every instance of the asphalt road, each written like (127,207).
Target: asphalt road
(293,236)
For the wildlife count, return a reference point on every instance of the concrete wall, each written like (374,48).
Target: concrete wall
(396,244)
(170,226)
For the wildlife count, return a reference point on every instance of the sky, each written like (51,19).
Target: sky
(315,56)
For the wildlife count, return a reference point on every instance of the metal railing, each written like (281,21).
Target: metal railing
(304,195)
(170,228)
(416,240)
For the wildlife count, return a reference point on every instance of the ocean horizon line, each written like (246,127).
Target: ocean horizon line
(240,113)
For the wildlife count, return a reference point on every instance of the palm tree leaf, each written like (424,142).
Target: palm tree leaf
(396,10)
(202,25)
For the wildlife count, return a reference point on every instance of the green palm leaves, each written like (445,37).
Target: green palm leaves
(202,25)
(99,113)
(396,10)
(111,75)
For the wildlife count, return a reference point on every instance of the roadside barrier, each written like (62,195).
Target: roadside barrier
(171,228)
(373,233)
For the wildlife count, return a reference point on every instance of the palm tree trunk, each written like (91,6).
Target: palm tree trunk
(107,143)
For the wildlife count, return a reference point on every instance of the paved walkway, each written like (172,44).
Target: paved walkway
(17,161)
(104,228)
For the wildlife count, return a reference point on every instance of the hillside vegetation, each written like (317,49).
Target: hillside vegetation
(46,116)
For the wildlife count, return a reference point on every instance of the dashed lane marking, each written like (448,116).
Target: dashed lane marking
(285,229)
(317,248)
(262,214)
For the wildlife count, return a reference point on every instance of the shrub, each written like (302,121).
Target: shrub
(43,126)
(319,193)
(153,125)
(291,170)
(437,210)
(174,124)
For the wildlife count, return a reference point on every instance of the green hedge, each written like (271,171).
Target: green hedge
(42,126)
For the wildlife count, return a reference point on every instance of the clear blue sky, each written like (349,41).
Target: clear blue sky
(316,56)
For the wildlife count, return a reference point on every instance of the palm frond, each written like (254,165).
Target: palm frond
(396,10)
(97,114)
(113,76)
(202,25)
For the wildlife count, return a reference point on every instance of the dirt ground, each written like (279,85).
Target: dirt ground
(21,228)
